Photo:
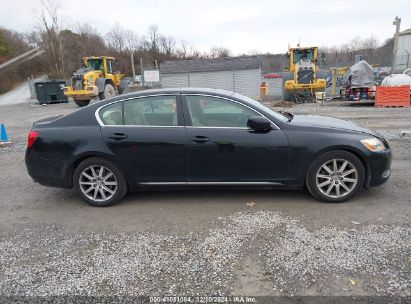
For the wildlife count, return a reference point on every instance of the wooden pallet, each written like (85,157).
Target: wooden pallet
(391,106)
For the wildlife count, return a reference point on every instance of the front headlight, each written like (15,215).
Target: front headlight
(373,144)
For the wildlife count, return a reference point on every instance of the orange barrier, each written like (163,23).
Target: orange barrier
(263,89)
(392,96)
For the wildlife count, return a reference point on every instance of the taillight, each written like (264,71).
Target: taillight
(32,138)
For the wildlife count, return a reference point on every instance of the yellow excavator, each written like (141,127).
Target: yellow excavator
(302,78)
(96,78)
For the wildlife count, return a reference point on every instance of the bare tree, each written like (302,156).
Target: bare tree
(194,53)
(13,44)
(116,38)
(131,41)
(167,45)
(219,52)
(181,51)
(153,39)
(369,48)
(50,24)
(85,29)
(253,52)
(85,41)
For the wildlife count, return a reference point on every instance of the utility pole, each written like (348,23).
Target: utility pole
(23,57)
(397,23)
(132,65)
(142,71)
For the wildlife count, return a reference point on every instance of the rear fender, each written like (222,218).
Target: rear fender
(81,157)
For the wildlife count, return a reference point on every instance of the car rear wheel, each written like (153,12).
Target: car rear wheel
(335,177)
(99,182)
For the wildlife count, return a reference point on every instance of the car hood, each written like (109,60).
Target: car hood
(330,122)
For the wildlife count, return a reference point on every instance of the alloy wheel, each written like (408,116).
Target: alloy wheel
(98,183)
(336,178)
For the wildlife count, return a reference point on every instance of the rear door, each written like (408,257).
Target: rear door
(148,136)
(222,149)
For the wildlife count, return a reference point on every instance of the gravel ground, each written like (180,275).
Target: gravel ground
(376,257)
(266,243)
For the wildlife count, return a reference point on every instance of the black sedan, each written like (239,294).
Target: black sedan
(202,137)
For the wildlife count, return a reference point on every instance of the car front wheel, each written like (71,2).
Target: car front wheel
(99,182)
(335,177)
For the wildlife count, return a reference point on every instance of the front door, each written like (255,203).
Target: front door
(221,148)
(148,137)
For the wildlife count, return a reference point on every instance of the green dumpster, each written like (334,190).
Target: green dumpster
(50,91)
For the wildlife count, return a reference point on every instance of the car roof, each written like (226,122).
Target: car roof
(185,90)
(83,113)
(216,92)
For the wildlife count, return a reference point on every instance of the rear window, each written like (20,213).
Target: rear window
(151,111)
(112,114)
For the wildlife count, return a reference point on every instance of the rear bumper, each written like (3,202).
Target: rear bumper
(46,172)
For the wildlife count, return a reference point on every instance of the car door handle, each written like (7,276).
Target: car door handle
(200,139)
(118,136)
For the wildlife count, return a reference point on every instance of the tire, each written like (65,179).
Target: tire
(303,96)
(82,103)
(94,186)
(123,87)
(289,96)
(108,92)
(328,185)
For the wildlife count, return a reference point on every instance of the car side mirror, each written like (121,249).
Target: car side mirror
(259,123)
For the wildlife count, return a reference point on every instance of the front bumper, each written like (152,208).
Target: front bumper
(87,93)
(379,164)
(290,85)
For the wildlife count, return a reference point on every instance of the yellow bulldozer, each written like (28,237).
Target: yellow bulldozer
(302,78)
(96,78)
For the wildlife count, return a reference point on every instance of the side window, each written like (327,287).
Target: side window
(151,111)
(217,112)
(110,66)
(112,114)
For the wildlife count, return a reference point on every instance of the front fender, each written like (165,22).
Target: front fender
(306,146)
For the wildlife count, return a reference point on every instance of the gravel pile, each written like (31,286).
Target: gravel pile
(48,260)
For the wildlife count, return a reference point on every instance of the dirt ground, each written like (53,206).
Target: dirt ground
(206,242)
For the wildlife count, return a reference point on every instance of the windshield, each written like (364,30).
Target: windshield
(262,107)
(95,64)
(303,53)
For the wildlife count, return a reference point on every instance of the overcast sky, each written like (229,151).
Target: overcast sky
(242,26)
